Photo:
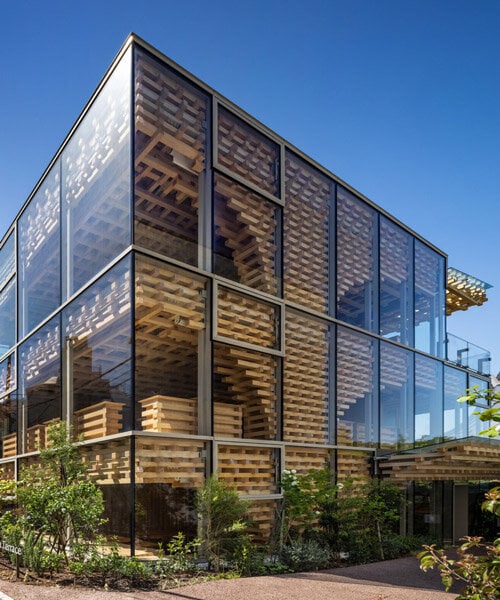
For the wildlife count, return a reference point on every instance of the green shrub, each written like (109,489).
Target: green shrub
(305,555)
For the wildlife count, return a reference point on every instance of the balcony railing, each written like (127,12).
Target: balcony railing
(465,354)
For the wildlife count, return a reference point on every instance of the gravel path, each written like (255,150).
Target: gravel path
(391,580)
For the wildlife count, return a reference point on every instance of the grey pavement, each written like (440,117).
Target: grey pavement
(390,580)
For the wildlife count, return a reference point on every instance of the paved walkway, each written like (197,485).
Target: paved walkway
(391,580)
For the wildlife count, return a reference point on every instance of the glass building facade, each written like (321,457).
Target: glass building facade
(193,294)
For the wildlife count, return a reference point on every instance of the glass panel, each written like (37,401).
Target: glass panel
(108,465)
(244,393)
(357,405)
(309,196)
(246,237)
(8,317)
(252,471)
(39,258)
(97,332)
(248,153)
(428,401)
(40,380)
(396,397)
(306,382)
(170,137)
(465,354)
(7,260)
(356,261)
(96,183)
(353,464)
(8,407)
(475,424)
(428,509)
(396,294)
(247,319)
(429,300)
(168,472)
(455,413)
(170,319)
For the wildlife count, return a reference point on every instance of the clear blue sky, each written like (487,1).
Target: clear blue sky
(400,98)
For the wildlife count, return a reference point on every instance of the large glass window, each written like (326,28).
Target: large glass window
(8,407)
(96,183)
(475,424)
(356,261)
(429,300)
(171,123)
(244,393)
(39,260)
(7,260)
(8,317)
(307,236)
(357,406)
(396,397)
(40,380)
(428,400)
(455,413)
(169,328)
(97,333)
(396,283)
(247,237)
(247,153)
(306,380)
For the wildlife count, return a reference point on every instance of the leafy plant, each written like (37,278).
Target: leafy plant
(305,555)
(224,527)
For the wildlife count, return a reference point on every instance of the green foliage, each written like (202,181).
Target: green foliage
(492,413)
(477,566)
(223,530)
(305,555)
(181,556)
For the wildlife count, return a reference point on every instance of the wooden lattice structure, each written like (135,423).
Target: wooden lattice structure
(464,291)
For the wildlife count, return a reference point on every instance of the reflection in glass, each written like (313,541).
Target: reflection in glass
(475,423)
(169,321)
(428,400)
(7,260)
(396,274)
(306,379)
(8,317)
(170,137)
(244,393)
(308,206)
(455,413)
(97,332)
(8,407)
(248,153)
(246,236)
(429,300)
(357,407)
(40,375)
(396,397)
(39,260)
(96,183)
(356,261)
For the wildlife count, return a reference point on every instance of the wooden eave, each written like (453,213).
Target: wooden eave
(467,460)
(464,291)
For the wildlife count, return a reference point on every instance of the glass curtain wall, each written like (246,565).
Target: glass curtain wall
(455,413)
(357,398)
(396,283)
(96,183)
(171,124)
(430,292)
(357,256)
(97,334)
(8,407)
(475,425)
(428,400)
(396,397)
(7,295)
(308,236)
(39,254)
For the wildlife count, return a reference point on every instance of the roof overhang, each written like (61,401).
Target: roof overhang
(464,291)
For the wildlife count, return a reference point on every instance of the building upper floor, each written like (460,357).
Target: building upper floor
(158,161)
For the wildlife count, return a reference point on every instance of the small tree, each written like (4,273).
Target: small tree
(60,507)
(223,526)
